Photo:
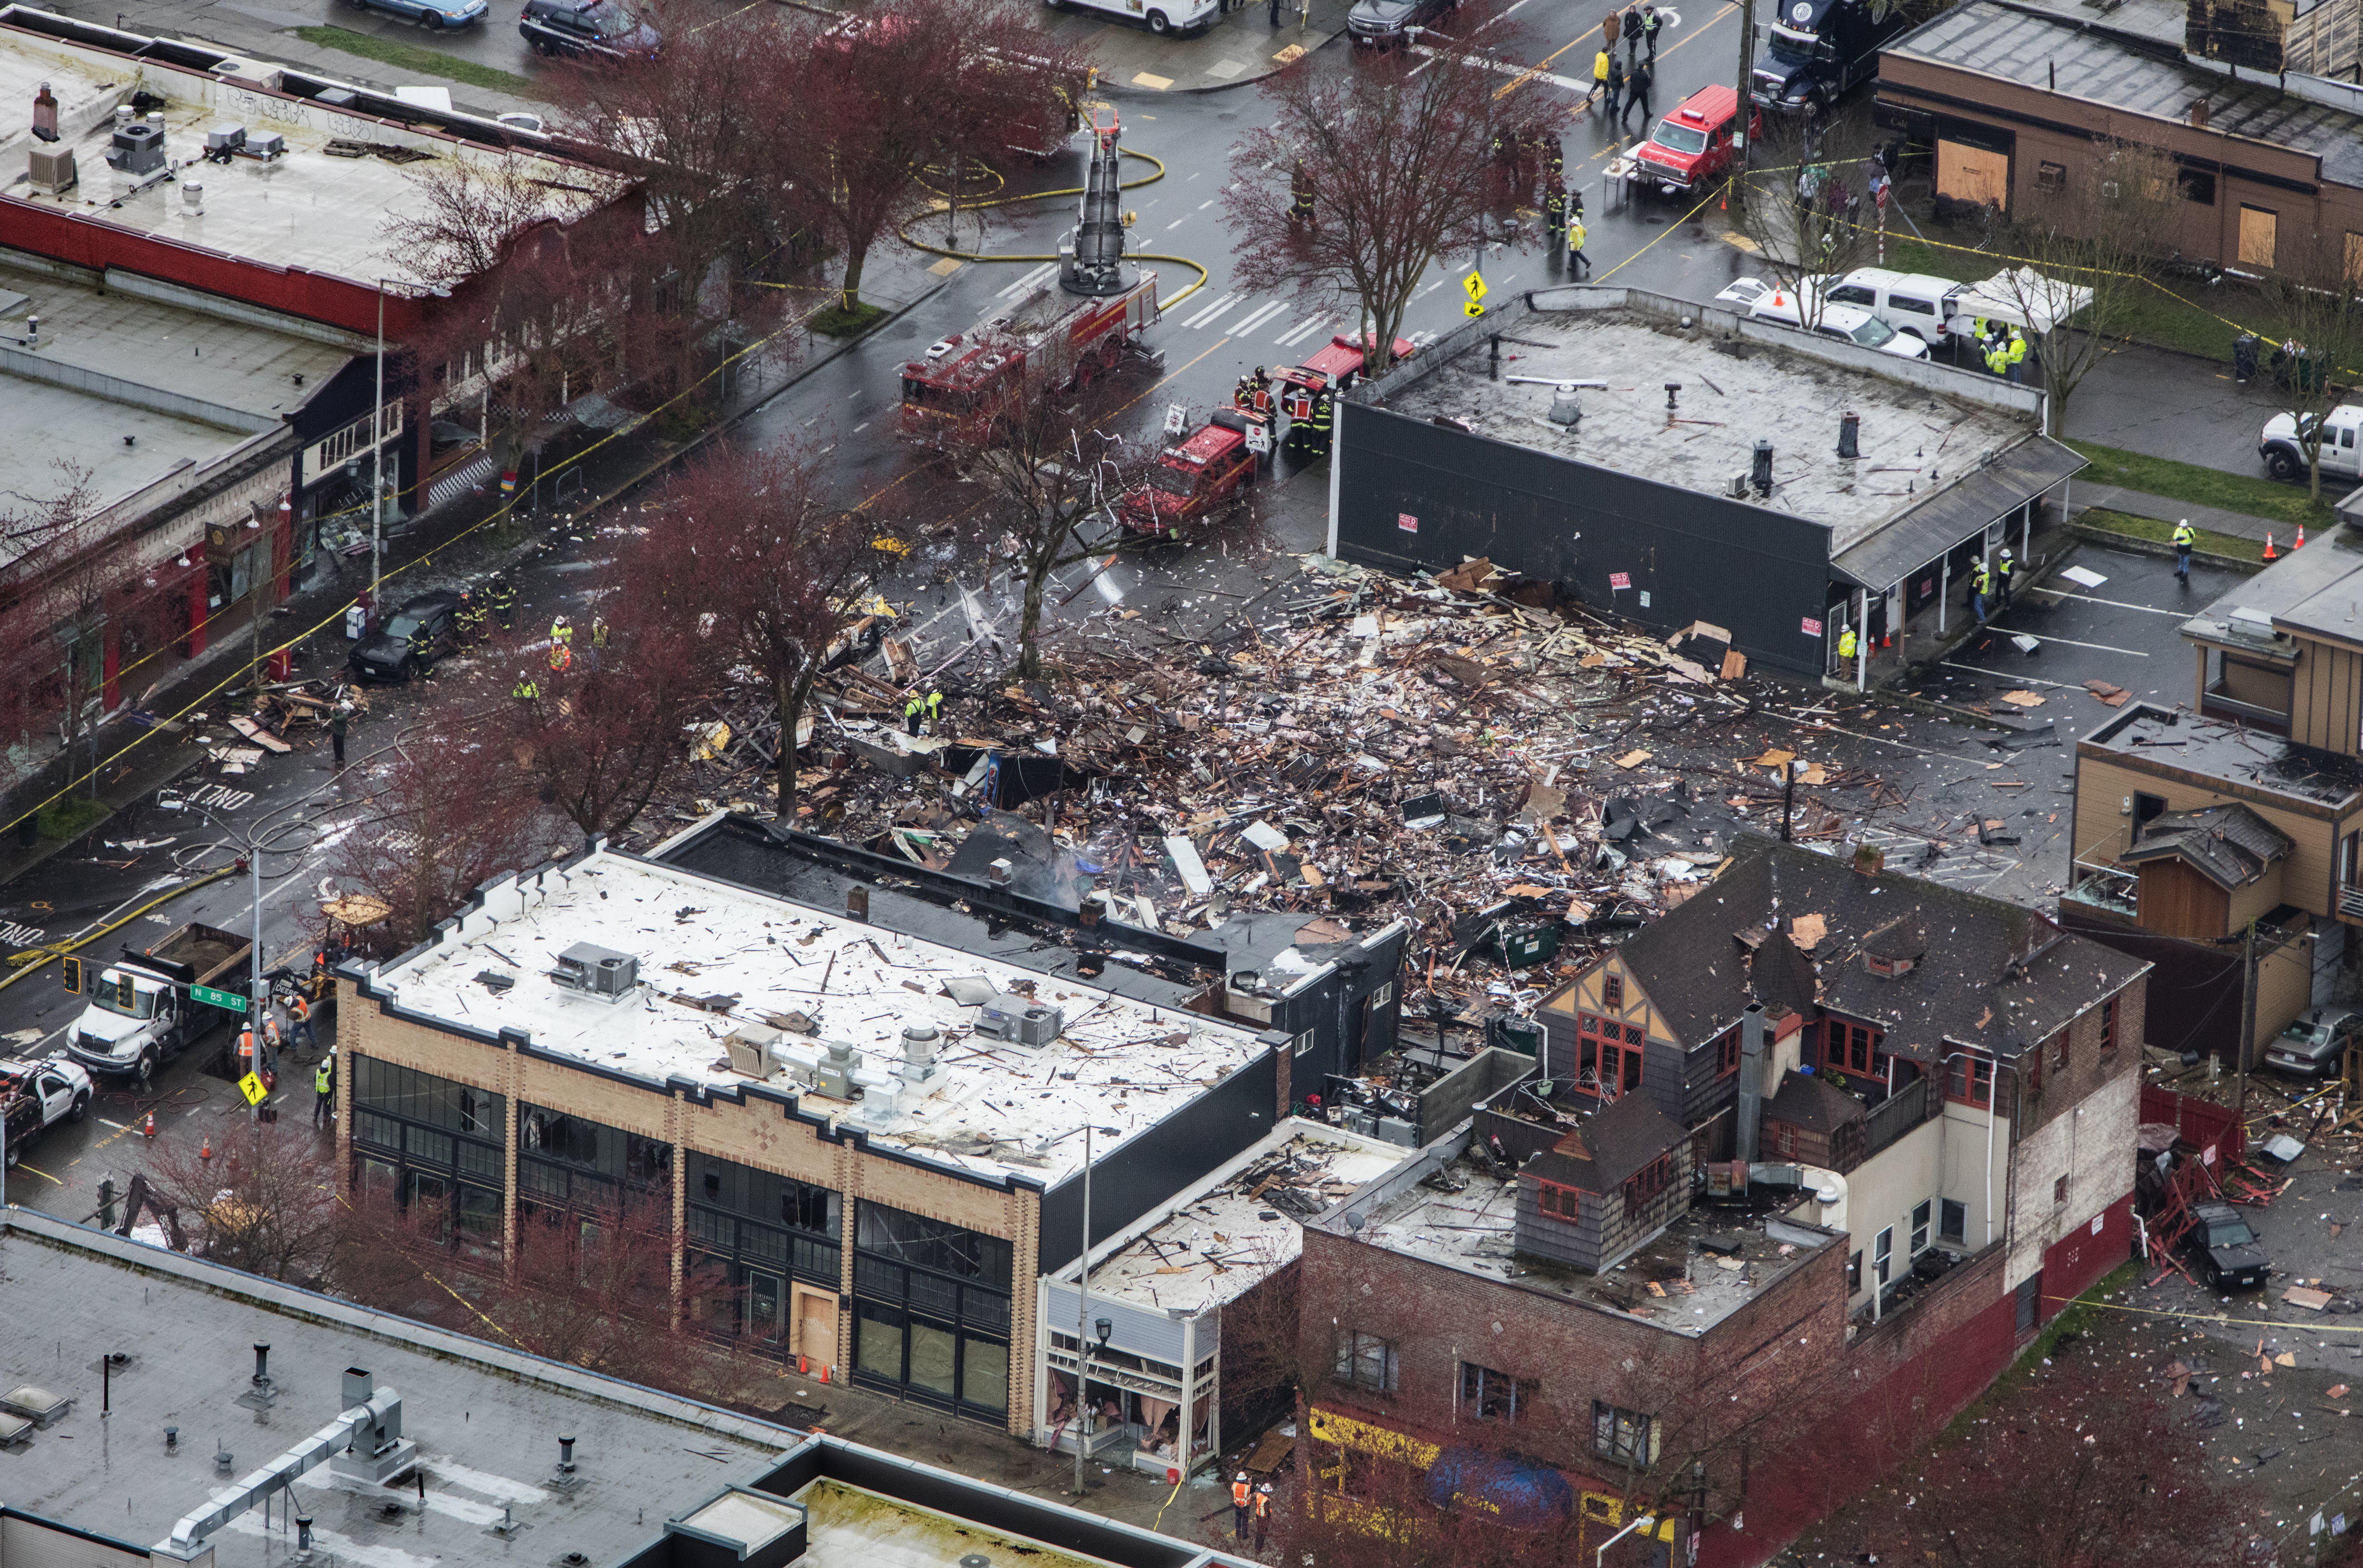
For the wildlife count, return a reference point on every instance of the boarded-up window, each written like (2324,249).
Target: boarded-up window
(1971,173)
(2258,229)
(2354,258)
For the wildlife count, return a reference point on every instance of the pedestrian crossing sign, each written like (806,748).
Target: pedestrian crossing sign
(1473,286)
(1472,309)
(251,1087)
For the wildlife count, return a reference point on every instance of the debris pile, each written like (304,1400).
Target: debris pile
(1517,780)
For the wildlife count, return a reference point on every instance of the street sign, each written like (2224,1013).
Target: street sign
(228,1001)
(1177,418)
(251,1087)
(70,971)
(1473,286)
(1259,438)
(1472,309)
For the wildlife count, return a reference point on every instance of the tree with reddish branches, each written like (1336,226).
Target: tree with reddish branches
(747,548)
(604,738)
(451,807)
(910,87)
(258,1196)
(2087,1463)
(1402,160)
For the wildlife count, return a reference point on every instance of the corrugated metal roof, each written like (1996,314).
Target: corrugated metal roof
(2080,59)
(2017,475)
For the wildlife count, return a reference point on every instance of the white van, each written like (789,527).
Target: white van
(1766,302)
(1916,304)
(1190,16)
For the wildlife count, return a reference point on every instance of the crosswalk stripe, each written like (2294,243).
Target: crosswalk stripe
(1030,279)
(1305,329)
(1247,324)
(1217,308)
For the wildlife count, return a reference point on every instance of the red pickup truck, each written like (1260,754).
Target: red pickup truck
(1692,148)
(1191,482)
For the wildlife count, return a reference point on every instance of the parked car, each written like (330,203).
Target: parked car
(2277,443)
(1918,304)
(587,30)
(1693,146)
(435,15)
(1852,323)
(2315,1042)
(2226,1250)
(1378,24)
(414,636)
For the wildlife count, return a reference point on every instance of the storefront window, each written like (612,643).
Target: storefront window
(434,1147)
(932,1301)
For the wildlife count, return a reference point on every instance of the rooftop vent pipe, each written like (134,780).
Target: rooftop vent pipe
(365,1440)
(1751,1078)
(1849,435)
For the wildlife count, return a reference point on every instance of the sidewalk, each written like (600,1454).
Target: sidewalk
(898,282)
(2238,524)
(1241,46)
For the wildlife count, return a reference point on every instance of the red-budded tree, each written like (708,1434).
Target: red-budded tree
(258,1196)
(1401,157)
(607,734)
(867,144)
(745,550)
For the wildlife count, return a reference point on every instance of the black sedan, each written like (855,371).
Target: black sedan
(2223,1247)
(413,637)
(587,30)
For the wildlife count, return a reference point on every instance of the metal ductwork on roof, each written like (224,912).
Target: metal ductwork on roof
(364,1442)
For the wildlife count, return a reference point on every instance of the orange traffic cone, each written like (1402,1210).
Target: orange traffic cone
(148,1128)
(823,1374)
(803,1364)
(2301,538)
(205,1149)
(2270,554)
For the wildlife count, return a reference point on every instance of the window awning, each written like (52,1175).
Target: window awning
(1959,512)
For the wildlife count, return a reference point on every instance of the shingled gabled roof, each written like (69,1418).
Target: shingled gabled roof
(2229,845)
(1992,975)
(1620,1139)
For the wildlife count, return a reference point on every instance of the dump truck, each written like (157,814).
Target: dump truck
(148,1006)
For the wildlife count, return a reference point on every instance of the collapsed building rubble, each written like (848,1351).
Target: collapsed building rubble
(1522,780)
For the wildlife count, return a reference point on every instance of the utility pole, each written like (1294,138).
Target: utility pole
(1739,120)
(2247,1016)
(1082,1318)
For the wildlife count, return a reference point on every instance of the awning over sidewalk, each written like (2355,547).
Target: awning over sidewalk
(1960,511)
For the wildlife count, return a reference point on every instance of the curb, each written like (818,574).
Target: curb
(2136,545)
(1310,51)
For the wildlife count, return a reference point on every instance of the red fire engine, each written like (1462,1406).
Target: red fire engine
(1334,368)
(1193,481)
(1082,320)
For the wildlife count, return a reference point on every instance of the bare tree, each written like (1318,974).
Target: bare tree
(1051,477)
(1399,158)
(746,548)
(2311,301)
(258,1196)
(606,736)
(2088,1465)
(452,807)
(2095,242)
(865,145)
(1806,209)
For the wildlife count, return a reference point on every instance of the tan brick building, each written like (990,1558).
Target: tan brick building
(869,1145)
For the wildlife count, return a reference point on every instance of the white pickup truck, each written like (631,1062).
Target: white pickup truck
(39,1095)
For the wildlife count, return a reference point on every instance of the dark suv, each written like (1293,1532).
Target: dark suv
(587,30)
(414,636)
(2225,1250)
(1382,23)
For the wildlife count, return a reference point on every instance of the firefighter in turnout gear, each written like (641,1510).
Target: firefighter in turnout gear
(1555,213)
(1300,197)
(501,597)
(472,616)
(1324,414)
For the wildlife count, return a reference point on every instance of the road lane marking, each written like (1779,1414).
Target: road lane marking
(1206,312)
(2119,604)
(1250,323)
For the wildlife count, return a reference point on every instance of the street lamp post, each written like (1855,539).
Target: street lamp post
(377,463)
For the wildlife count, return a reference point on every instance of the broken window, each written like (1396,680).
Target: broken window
(1495,1397)
(2058,1048)
(1727,1054)
(1854,1274)
(1645,1183)
(1607,1056)
(1971,1083)
(1612,991)
(1366,1361)
(1850,1048)
(2109,1026)
(1920,1228)
(1882,1255)
(1562,1203)
(2060,1190)
(1627,1437)
(1956,1221)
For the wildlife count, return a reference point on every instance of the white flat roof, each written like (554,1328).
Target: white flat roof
(1910,438)
(711,958)
(1216,1244)
(305,209)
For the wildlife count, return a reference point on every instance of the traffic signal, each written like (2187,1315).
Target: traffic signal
(71,973)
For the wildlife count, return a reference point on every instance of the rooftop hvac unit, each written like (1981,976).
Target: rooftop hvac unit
(137,147)
(265,144)
(834,1076)
(1019,1021)
(1357,1119)
(1394,1130)
(750,1046)
(52,168)
(596,970)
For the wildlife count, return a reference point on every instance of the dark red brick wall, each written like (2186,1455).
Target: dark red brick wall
(2074,1261)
